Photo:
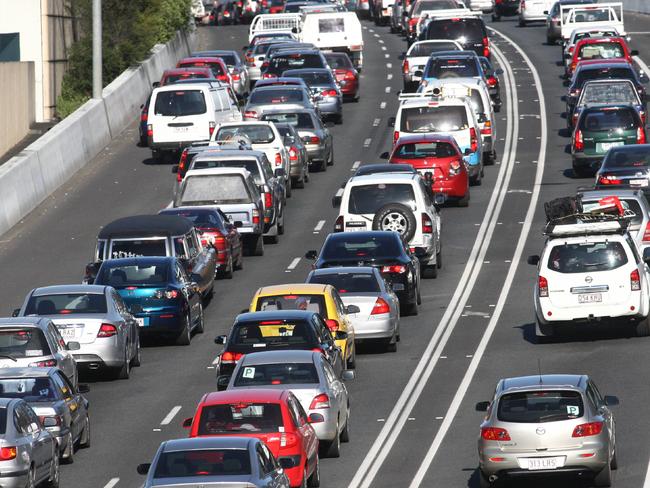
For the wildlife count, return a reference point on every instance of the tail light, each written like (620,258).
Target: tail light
(646,233)
(328,93)
(288,440)
(542,286)
(395,136)
(181,165)
(405,67)
(278,159)
(350,76)
(380,307)
(522,5)
(212,126)
(314,140)
(7,453)
(107,330)
(57,419)
(250,114)
(640,136)
(168,294)
(473,139)
(150,130)
(226,13)
(332,325)
(228,357)
(413,21)
(223,78)
(48,363)
(635,280)
(250,60)
(396,268)
(338,225)
(586,430)
(487,128)
(268,200)
(575,118)
(265,65)
(320,401)
(573,67)
(486,47)
(427,225)
(144,116)
(492,81)
(256,216)
(455,168)
(578,142)
(494,434)
(293,154)
(571,49)
(609,180)
(235,76)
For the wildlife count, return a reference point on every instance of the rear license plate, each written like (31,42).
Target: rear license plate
(141,321)
(534,464)
(398,286)
(355,226)
(639,182)
(606,146)
(590,298)
(70,333)
(181,129)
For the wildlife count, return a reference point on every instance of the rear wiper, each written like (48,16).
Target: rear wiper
(553,416)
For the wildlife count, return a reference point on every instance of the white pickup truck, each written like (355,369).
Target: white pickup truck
(272,23)
(334,31)
(596,15)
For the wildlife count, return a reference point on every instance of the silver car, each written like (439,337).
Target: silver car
(30,453)
(269,98)
(215,461)
(378,305)
(236,68)
(35,342)
(58,404)
(94,316)
(324,88)
(311,379)
(547,424)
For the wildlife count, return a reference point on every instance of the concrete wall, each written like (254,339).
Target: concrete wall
(30,177)
(16,103)
(637,5)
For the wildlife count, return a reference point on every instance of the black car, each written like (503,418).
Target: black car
(273,331)
(505,8)
(293,59)
(380,249)
(492,80)
(470,32)
(625,167)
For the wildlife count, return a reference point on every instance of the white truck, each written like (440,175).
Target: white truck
(596,15)
(273,23)
(334,31)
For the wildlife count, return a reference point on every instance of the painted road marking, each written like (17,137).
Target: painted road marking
(376,122)
(112,482)
(382,105)
(319,226)
(367,142)
(170,416)
(292,265)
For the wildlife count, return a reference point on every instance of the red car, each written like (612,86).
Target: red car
(175,74)
(216,65)
(274,416)
(345,74)
(438,158)
(600,48)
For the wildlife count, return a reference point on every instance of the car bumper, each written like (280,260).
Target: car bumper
(14,479)
(95,356)
(295,169)
(173,146)
(160,323)
(532,16)
(591,161)
(316,152)
(454,187)
(375,327)
(326,430)
(254,73)
(590,314)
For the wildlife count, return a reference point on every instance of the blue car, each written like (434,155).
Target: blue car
(452,64)
(159,293)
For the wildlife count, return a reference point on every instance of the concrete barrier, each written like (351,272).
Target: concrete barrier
(642,6)
(30,177)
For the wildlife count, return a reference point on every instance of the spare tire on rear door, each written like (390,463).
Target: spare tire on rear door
(396,217)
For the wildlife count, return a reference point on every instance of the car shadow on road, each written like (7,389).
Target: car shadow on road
(578,333)
(574,481)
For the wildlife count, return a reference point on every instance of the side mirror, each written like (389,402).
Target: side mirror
(49,422)
(340,335)
(352,309)
(155,84)
(286,462)
(238,224)
(347,375)
(73,346)
(482,406)
(316,418)
(611,400)
(533,260)
(83,388)
(384,155)
(312,255)
(175,169)
(391,121)
(143,468)
(220,339)
(634,52)
(418,72)
(187,423)
(16,312)
(222,382)
(336,201)
(545,12)
(280,173)
(467,152)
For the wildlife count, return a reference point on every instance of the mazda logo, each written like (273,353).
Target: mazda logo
(588,279)
(540,431)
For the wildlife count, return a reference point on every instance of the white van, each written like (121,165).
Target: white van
(334,31)
(182,114)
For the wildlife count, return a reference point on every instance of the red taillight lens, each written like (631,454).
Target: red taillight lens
(573,67)
(107,330)
(350,76)
(405,66)
(212,126)
(646,233)
(427,225)
(486,47)
(230,357)
(380,307)
(7,453)
(293,154)
(314,140)
(455,168)
(494,434)
(586,430)
(268,200)
(49,363)
(635,280)
(320,401)
(223,78)
(487,128)
(473,139)
(250,114)
(328,93)
(640,136)
(144,116)
(578,143)
(256,217)
(338,225)
(609,180)
(542,285)
(150,130)
(278,159)
(399,269)
(395,136)
(332,325)
(181,166)
(492,81)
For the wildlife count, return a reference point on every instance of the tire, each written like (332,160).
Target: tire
(439,258)
(550,41)
(185,337)
(125,371)
(345,433)
(31,483)
(272,239)
(483,481)
(288,188)
(604,478)
(330,159)
(339,119)
(156,155)
(137,359)
(396,217)
(53,481)
(303,483)
(476,180)
(410,309)
(579,172)
(352,362)
(391,345)
(333,448)
(314,480)
(84,441)
(642,328)
(430,272)
(464,202)
(257,247)
(68,455)
(300,183)
(200,326)
(281,226)
(522,22)
(614,462)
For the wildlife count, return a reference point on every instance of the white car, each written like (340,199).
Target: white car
(534,11)
(417,56)
(485,6)
(591,272)
(399,202)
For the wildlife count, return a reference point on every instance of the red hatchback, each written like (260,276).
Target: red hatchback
(216,65)
(173,75)
(345,74)
(438,158)
(274,416)
(599,48)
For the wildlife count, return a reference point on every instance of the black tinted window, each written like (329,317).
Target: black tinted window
(276,96)
(249,165)
(24,342)
(200,218)
(583,75)
(203,462)
(66,303)
(119,276)
(349,283)
(240,417)
(470,29)
(634,157)
(179,103)
(540,406)
(418,150)
(608,119)
(277,374)
(272,333)
(361,247)
(312,78)
(452,68)
(133,248)
(280,64)
(587,257)
(367,199)
(339,61)
(298,120)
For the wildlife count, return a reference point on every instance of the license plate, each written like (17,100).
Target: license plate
(398,286)
(534,464)
(605,146)
(590,298)
(639,182)
(355,226)
(140,321)
(181,129)
(69,333)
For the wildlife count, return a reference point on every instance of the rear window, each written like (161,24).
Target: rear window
(312,78)
(240,417)
(313,303)
(277,374)
(248,164)
(273,333)
(258,134)
(280,64)
(604,120)
(593,14)
(339,61)
(601,50)
(214,189)
(134,248)
(179,103)
(634,157)
(433,5)
(330,26)
(23,342)
(216,68)
(470,29)
(185,76)
(29,389)
(144,275)
(66,303)
(584,75)
(229,59)
(419,150)
(434,119)
(427,48)
(298,120)
(452,68)
(200,218)
(276,96)
(587,257)
(203,462)
(367,199)
(356,247)
(349,283)
(609,93)
(540,406)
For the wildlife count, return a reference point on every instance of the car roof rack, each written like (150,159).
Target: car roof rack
(439,93)
(582,224)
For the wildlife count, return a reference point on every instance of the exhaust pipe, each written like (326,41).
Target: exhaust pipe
(493,478)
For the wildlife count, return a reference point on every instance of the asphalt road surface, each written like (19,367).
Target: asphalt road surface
(413,419)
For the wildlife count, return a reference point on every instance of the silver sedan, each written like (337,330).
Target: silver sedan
(94,316)
(312,380)
(268,98)
(378,306)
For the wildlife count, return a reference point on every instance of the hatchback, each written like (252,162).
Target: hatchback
(216,65)
(345,73)
(625,167)
(261,100)
(325,89)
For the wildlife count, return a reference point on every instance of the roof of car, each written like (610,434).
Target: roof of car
(298,50)
(189,84)
(395,177)
(26,372)
(601,40)
(309,70)
(217,171)
(246,122)
(199,209)
(292,289)
(378,168)
(454,54)
(30,320)
(278,87)
(344,269)
(213,53)
(188,69)
(275,315)
(143,225)
(279,357)
(543,382)
(603,63)
(199,59)
(74,288)
(212,154)
(267,395)
(280,80)
(216,442)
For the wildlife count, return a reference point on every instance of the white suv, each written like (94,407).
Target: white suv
(399,202)
(591,272)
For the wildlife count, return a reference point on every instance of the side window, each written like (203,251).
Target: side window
(58,341)
(121,306)
(339,303)
(233,99)
(34,424)
(21,419)
(292,412)
(272,461)
(192,246)
(261,460)
(62,385)
(324,333)
(266,168)
(217,100)
(179,247)
(301,412)
(599,398)
(99,250)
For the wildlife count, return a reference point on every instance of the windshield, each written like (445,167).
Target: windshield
(133,248)
(601,50)
(203,462)
(434,119)
(452,68)
(349,283)
(587,257)
(422,49)
(468,29)
(180,103)
(419,150)
(604,120)
(298,120)
(292,334)
(229,59)
(277,374)
(23,342)
(66,303)
(610,93)
(249,164)
(313,303)
(367,199)
(208,189)
(258,134)
(240,417)
(364,247)
(281,95)
(533,407)
(29,389)
(433,5)
(146,275)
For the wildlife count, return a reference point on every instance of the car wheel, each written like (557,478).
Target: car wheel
(333,448)
(185,337)
(410,309)
(522,22)
(156,155)
(314,480)
(396,217)
(200,325)
(430,272)
(351,363)
(483,481)
(257,247)
(330,159)
(614,462)
(84,442)
(300,183)
(137,358)
(604,478)
(642,328)
(391,345)
(476,180)
(68,454)
(125,371)
(550,41)
(303,483)
(495,18)
(345,433)
(288,188)
(55,474)
(339,119)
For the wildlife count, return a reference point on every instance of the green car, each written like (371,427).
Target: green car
(600,128)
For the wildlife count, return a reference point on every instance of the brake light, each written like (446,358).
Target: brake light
(250,114)
(413,21)
(586,430)
(578,143)
(573,67)
(250,60)
(487,128)
(635,280)
(212,126)
(609,180)
(144,116)
(350,76)
(338,225)
(646,233)
(396,268)
(149,130)
(7,453)
(288,440)
(332,325)
(427,225)
(230,357)
(405,67)
(395,136)
(314,140)
(328,93)
(268,200)
(320,401)
(256,216)
(181,165)
(640,136)
(48,363)
(380,307)
(486,47)
(492,81)
(278,159)
(494,434)
(107,330)
(168,294)
(473,139)
(293,154)
(542,286)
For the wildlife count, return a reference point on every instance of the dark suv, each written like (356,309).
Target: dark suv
(470,32)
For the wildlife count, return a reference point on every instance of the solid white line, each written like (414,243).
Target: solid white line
(356,164)
(523,236)
(112,483)
(293,264)
(646,482)
(319,226)
(382,105)
(404,405)
(170,416)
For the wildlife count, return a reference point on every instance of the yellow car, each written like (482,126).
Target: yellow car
(323,299)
